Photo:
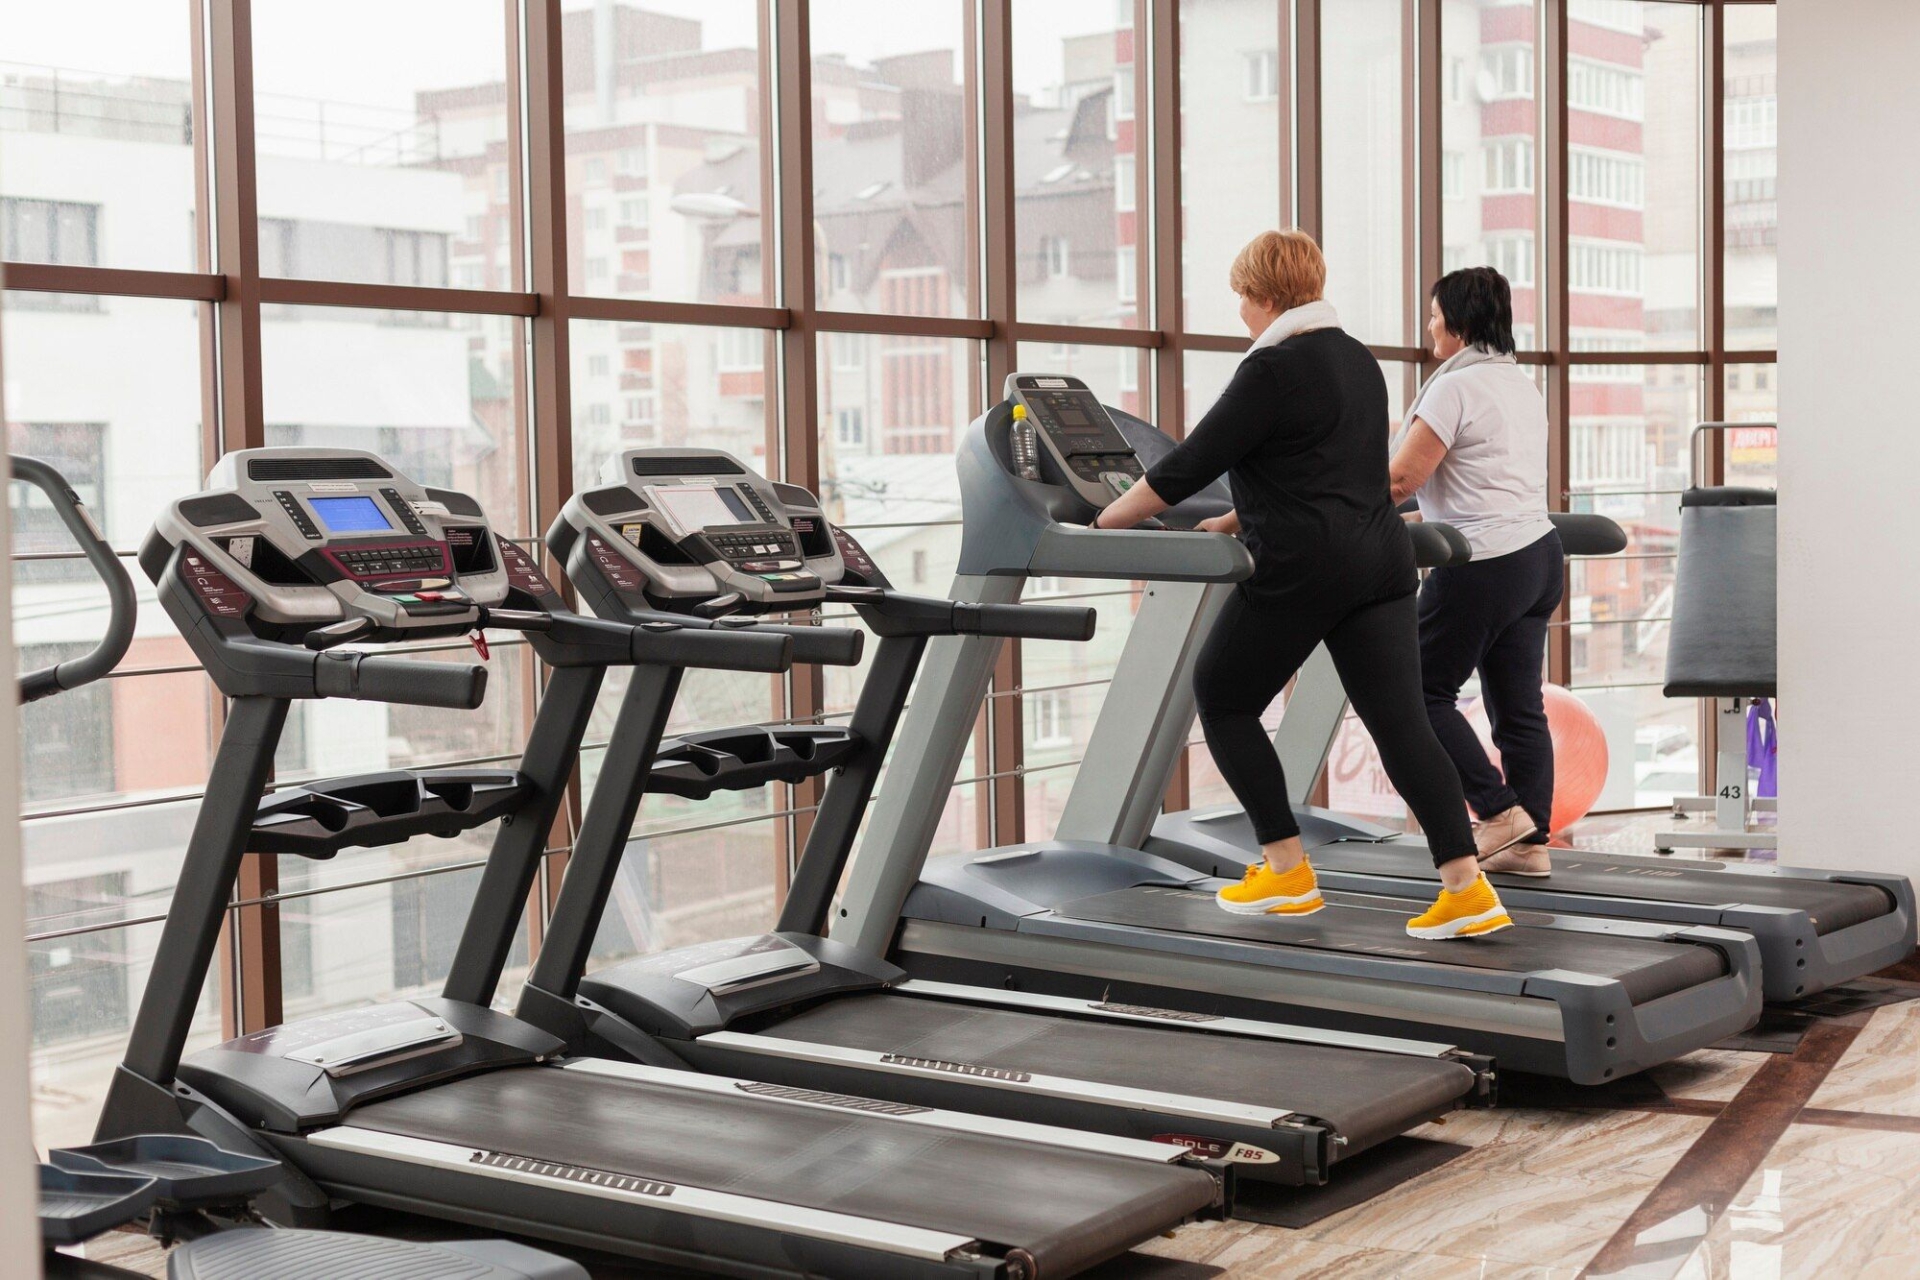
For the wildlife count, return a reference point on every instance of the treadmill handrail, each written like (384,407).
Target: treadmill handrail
(1140,554)
(122,605)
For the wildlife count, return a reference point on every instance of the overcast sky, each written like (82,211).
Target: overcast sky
(377,52)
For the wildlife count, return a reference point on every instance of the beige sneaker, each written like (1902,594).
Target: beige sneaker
(1519,860)
(1501,831)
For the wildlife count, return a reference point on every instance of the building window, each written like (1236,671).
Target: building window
(56,231)
(1125,179)
(1604,267)
(639,411)
(1604,177)
(849,350)
(741,350)
(1263,75)
(596,270)
(1123,93)
(1125,269)
(1453,167)
(1053,256)
(597,366)
(1129,369)
(1456,80)
(1507,71)
(1512,257)
(633,213)
(1606,89)
(596,219)
(1051,715)
(79,982)
(1509,165)
(1621,15)
(633,161)
(838,277)
(850,428)
(1753,123)
(919,567)
(599,415)
(594,171)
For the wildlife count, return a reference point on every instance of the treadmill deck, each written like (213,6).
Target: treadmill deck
(1060,1205)
(1366,1097)
(1646,968)
(1831,905)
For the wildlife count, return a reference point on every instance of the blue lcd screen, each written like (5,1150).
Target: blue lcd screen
(349,515)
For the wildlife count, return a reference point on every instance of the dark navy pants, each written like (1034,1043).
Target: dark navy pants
(1491,616)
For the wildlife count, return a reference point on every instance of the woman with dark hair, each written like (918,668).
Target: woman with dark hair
(1300,432)
(1475,454)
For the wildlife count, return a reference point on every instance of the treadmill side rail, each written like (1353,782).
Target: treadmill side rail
(1148,1015)
(932,1117)
(1154,1100)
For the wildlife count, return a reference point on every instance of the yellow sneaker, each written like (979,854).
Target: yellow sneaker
(1471,913)
(1265,891)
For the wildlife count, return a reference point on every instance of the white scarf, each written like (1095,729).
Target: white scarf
(1318,314)
(1464,358)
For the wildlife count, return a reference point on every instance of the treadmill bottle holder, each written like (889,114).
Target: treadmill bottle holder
(696,765)
(318,819)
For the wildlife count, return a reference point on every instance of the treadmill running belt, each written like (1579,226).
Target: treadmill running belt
(1068,1208)
(1646,968)
(1832,904)
(1367,1097)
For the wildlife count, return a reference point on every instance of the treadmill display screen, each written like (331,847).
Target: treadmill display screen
(350,515)
(1076,422)
(700,506)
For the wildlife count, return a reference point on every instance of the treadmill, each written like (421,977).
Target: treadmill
(446,1107)
(186,1189)
(1089,912)
(1815,928)
(690,530)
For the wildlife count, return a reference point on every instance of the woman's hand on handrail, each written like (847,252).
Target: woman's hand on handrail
(1130,508)
(1228,524)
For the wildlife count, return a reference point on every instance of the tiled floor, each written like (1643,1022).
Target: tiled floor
(1733,1166)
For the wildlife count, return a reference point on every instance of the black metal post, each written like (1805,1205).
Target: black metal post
(200,897)
(604,828)
(553,747)
(875,718)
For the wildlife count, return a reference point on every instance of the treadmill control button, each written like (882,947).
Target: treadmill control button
(291,505)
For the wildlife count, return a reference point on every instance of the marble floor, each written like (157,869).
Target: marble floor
(1723,1165)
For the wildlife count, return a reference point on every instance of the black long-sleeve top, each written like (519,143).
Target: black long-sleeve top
(1301,434)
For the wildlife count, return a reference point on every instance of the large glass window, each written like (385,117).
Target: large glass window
(97,137)
(1362,140)
(892,212)
(1633,96)
(1231,115)
(416,387)
(663,120)
(1073,64)
(1752,168)
(644,385)
(392,163)
(382,160)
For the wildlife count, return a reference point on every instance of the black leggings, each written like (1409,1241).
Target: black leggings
(1491,616)
(1248,659)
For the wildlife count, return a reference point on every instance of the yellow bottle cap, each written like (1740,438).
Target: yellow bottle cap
(1019,412)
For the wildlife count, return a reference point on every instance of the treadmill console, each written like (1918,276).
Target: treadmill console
(697,530)
(290,543)
(1059,418)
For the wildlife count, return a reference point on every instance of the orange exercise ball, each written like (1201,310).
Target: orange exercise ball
(1579,752)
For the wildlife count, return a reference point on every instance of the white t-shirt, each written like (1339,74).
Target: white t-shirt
(1492,485)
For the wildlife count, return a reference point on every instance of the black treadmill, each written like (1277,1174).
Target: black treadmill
(1815,928)
(799,1010)
(445,1107)
(188,1190)
(1088,912)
